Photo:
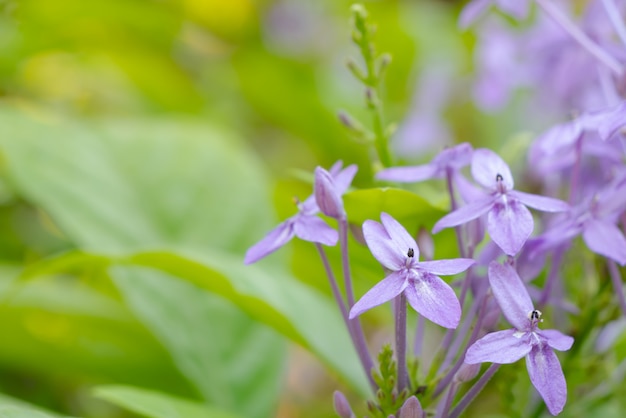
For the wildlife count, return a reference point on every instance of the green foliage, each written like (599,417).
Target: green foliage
(388,400)
(156,405)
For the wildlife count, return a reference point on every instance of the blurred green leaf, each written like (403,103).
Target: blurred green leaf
(156,405)
(15,408)
(121,186)
(401,204)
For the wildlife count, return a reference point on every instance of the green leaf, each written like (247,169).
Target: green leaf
(156,405)
(16,408)
(117,187)
(292,308)
(401,204)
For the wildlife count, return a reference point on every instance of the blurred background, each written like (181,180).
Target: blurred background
(139,124)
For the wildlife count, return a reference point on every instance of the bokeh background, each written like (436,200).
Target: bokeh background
(188,126)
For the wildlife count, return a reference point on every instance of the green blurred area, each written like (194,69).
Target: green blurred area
(130,125)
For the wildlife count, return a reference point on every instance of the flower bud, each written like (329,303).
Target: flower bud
(411,409)
(467,372)
(342,406)
(326,195)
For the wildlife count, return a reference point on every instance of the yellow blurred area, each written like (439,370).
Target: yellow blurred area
(230,19)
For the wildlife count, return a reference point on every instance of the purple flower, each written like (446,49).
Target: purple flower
(453,158)
(596,219)
(306,224)
(397,251)
(476,8)
(508,221)
(524,340)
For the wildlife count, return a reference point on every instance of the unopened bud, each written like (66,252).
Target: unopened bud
(326,195)
(342,406)
(355,70)
(411,409)
(371,98)
(467,372)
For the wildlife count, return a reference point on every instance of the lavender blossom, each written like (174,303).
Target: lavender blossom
(524,340)
(397,251)
(596,219)
(453,158)
(508,221)
(306,224)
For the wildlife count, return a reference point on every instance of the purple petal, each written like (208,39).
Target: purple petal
(434,299)
(408,174)
(556,138)
(547,377)
(486,165)
(472,11)
(556,339)
(502,347)
(336,168)
(313,229)
(464,214)
(606,122)
(455,157)
(515,8)
(446,267)
(399,237)
(275,239)
(606,239)
(344,178)
(326,195)
(546,204)
(509,225)
(387,289)
(381,247)
(511,295)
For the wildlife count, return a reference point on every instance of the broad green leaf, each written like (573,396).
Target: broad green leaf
(119,187)
(156,405)
(292,308)
(401,204)
(16,408)
(82,333)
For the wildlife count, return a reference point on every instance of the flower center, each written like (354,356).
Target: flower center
(535,317)
(410,253)
(500,183)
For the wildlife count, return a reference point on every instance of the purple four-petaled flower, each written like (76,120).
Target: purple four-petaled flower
(509,222)
(306,224)
(524,340)
(397,251)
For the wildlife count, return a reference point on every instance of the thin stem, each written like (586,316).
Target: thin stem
(345,261)
(576,170)
(353,326)
(400,311)
(358,337)
(444,407)
(616,278)
(553,276)
(616,19)
(450,375)
(333,283)
(579,36)
(463,330)
(419,336)
(474,391)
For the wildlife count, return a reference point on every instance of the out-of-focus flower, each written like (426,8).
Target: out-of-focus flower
(476,8)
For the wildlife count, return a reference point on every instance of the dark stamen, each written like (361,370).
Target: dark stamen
(411,253)
(535,315)
(499,177)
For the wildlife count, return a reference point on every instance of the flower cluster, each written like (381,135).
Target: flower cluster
(578,172)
